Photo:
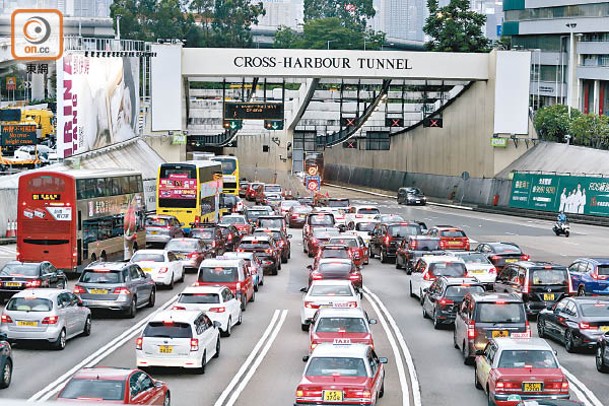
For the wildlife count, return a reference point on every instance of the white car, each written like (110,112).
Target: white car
(164,267)
(178,338)
(327,293)
(360,212)
(427,269)
(218,302)
(478,266)
(363,227)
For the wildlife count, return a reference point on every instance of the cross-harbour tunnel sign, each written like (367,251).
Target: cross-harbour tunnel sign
(333,63)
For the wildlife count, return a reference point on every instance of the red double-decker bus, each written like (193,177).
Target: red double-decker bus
(76,217)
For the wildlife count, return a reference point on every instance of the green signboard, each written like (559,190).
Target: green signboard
(571,194)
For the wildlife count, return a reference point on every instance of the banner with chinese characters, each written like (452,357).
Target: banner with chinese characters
(571,194)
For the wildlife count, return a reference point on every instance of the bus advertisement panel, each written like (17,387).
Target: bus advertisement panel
(230,173)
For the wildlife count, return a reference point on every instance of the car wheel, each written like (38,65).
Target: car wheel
(253,299)
(284,260)
(304,327)
(279,265)
(240,319)
(383,257)
(7,373)
(541,329)
(60,343)
(476,381)
(411,293)
(217,354)
(436,323)
(132,309)
(167,400)
(229,328)
(86,330)
(182,276)
(243,305)
(600,361)
(466,358)
(425,316)
(581,291)
(367,261)
(382,391)
(152,298)
(489,398)
(171,282)
(455,339)
(201,370)
(569,344)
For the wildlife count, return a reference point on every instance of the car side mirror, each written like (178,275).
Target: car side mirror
(310,267)
(158,384)
(217,324)
(3,337)
(289,235)
(383,360)
(303,290)
(372,321)
(305,358)
(479,352)
(80,303)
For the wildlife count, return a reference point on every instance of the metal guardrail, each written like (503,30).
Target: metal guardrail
(544,215)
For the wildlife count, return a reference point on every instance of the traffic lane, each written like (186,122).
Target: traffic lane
(36,366)
(281,371)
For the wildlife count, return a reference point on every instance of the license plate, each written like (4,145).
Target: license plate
(154,232)
(98,291)
(12,284)
(477,271)
(510,260)
(166,349)
(548,296)
(27,323)
(500,333)
(604,328)
(333,396)
(147,270)
(532,387)
(339,304)
(454,243)
(418,201)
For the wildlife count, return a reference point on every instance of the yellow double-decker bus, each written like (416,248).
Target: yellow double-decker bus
(230,173)
(190,191)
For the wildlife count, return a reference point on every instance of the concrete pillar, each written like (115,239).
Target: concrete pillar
(38,85)
(595,97)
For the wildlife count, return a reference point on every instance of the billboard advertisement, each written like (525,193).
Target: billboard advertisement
(97,102)
(571,194)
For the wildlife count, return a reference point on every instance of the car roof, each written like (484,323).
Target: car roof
(204,289)
(15,262)
(45,293)
(538,264)
(590,299)
(180,316)
(332,312)
(222,262)
(442,258)
(335,260)
(184,239)
(332,350)
(103,373)
(513,244)
(365,220)
(235,255)
(460,281)
(249,238)
(533,343)
(267,230)
(112,266)
(152,251)
(334,247)
(234,215)
(597,261)
(365,206)
(330,282)
(494,297)
(424,237)
(271,216)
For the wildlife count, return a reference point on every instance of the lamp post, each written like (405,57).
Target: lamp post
(571,72)
(118,27)
(329,41)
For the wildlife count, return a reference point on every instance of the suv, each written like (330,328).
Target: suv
(250,193)
(332,251)
(386,237)
(451,238)
(231,236)
(118,286)
(264,189)
(211,236)
(411,195)
(483,316)
(232,273)
(590,276)
(502,253)
(267,251)
(281,239)
(319,236)
(415,247)
(444,297)
(541,284)
(162,228)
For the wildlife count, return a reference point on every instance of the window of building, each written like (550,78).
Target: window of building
(377,140)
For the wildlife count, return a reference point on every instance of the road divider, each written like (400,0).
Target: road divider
(581,390)
(54,387)
(397,342)
(253,361)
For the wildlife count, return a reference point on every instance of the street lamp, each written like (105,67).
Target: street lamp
(332,40)
(571,72)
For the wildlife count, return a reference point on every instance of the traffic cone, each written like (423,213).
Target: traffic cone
(15,227)
(10,232)
(8,229)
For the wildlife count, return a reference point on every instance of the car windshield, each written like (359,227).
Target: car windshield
(391,217)
(452,233)
(20,270)
(475,259)
(425,245)
(321,220)
(289,203)
(156,222)
(182,245)
(414,191)
(459,292)
(101,276)
(199,298)
(336,366)
(598,309)
(141,257)
(167,329)
(202,234)
(325,234)
(334,267)
(218,274)
(349,242)
(254,214)
(524,358)
(603,270)
(29,304)
(301,209)
(401,231)
(507,249)
(270,223)
(453,269)
(341,324)
(232,220)
(500,313)
(272,188)
(369,210)
(103,389)
(330,290)
(335,253)
(365,226)
(338,203)
(549,276)
(255,245)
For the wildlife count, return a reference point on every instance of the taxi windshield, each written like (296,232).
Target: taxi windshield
(24,304)
(94,389)
(549,276)
(507,249)
(452,233)
(475,259)
(101,276)
(202,234)
(218,274)
(259,245)
(425,245)
(338,203)
(522,358)
(167,329)
(364,226)
(349,242)
(330,290)
(402,231)
(325,234)
(138,257)
(254,214)
(599,309)
(332,366)
(232,220)
(321,220)
(334,267)
(341,324)
(199,298)
(369,210)
(500,313)
(270,223)
(20,270)
(335,253)
(182,245)
(458,292)
(156,222)
(454,269)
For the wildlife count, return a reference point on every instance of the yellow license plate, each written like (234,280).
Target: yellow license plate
(477,271)
(166,349)
(604,328)
(454,243)
(154,232)
(532,386)
(12,284)
(548,296)
(510,260)
(98,291)
(27,323)
(333,396)
(500,333)
(147,270)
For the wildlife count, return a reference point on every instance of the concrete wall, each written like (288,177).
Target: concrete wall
(163,146)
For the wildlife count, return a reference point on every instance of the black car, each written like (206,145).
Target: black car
(602,353)
(411,195)
(212,236)
(502,253)
(577,322)
(415,247)
(444,297)
(230,235)
(540,284)
(386,237)
(16,276)
(266,249)
(6,362)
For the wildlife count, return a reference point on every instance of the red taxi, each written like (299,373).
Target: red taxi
(250,193)
(317,238)
(339,374)
(451,238)
(232,273)
(345,326)
(239,221)
(510,370)
(357,247)
(115,385)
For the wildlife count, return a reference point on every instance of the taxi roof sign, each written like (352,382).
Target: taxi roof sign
(342,341)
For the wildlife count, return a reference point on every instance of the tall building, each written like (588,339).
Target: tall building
(282,12)
(570,43)
(70,8)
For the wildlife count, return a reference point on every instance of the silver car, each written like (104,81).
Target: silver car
(51,315)
(117,286)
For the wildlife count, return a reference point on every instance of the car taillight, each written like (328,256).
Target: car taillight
(313,240)
(238,286)
(355,276)
(442,244)
(586,326)
(138,343)
(213,244)
(311,305)
(78,290)
(6,319)
(50,320)
(527,287)
(163,270)
(36,283)
(525,257)
(428,276)
(495,258)
(121,291)
(467,245)
(220,309)
(197,283)
(445,302)
(194,344)
(414,245)
(387,240)
(178,308)
(527,327)
(358,393)
(492,271)
(240,250)
(229,238)
(268,251)
(570,285)
(506,385)
(316,275)
(194,254)
(471,331)
(304,393)
(351,304)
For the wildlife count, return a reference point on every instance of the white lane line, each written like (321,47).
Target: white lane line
(55,386)
(258,361)
(396,351)
(414,380)
(589,395)
(233,383)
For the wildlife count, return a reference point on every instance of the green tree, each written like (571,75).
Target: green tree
(455,28)
(327,33)
(232,22)
(171,20)
(131,28)
(353,13)
(590,130)
(285,37)
(553,123)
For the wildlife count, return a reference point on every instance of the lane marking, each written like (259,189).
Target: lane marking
(235,381)
(54,387)
(258,361)
(589,395)
(414,379)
